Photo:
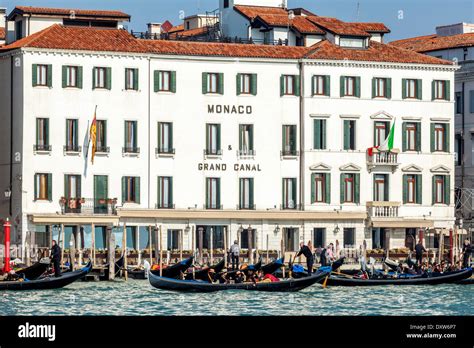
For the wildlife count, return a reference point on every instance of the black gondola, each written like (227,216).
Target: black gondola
(467,281)
(175,270)
(451,277)
(287,285)
(50,282)
(118,266)
(202,273)
(273,266)
(34,271)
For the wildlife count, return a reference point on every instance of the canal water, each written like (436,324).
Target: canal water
(138,297)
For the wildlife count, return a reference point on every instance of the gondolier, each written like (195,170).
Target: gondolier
(466,253)
(419,249)
(56,258)
(234,255)
(309,256)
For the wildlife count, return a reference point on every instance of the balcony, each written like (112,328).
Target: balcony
(164,151)
(42,148)
(212,206)
(246,153)
(164,206)
(130,150)
(246,207)
(102,149)
(289,153)
(212,152)
(290,206)
(88,206)
(381,159)
(383,209)
(72,149)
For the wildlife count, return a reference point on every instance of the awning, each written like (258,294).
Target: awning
(403,223)
(53,219)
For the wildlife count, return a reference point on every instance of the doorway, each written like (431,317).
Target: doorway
(319,237)
(291,239)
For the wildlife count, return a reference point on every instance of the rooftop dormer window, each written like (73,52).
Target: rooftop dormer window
(352,42)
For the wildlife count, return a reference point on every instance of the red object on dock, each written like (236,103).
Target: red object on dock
(6,229)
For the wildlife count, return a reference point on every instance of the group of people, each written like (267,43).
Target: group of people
(242,275)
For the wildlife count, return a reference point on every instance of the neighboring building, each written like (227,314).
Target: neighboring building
(456,42)
(264,144)
(3,32)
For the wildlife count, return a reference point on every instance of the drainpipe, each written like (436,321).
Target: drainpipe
(462,150)
(11,135)
(149,131)
(302,143)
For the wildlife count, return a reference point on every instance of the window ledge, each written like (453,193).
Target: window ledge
(37,200)
(102,154)
(441,205)
(246,95)
(165,92)
(131,90)
(42,152)
(130,154)
(43,87)
(165,155)
(73,153)
(213,94)
(320,96)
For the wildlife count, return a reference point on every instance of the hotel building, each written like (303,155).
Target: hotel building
(215,142)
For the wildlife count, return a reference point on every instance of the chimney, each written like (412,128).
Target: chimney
(283,4)
(3,12)
(154,28)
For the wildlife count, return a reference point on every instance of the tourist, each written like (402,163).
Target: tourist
(330,251)
(363,256)
(323,257)
(56,258)
(306,251)
(466,253)
(235,254)
(419,249)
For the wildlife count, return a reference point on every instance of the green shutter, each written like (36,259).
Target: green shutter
(283,138)
(357,188)
(204,83)
(297,85)
(419,89)
(293,185)
(66,186)
(36,186)
(317,134)
(251,137)
(221,83)
(156,76)
(327,182)
(342,87)
(135,131)
(418,136)
(432,128)
(357,87)
(79,77)
(347,138)
(327,85)
(173,82)
(125,80)
(313,188)
(404,88)
(313,78)
(251,192)
(447,137)
(433,83)
(241,130)
(405,188)
(419,191)
(218,189)
(46,131)
(34,75)
(104,141)
(170,135)
(238,81)
(108,81)
(93,78)
(219,137)
(124,189)
(170,190)
(50,187)
(135,79)
(64,76)
(447,189)
(447,92)
(374,81)
(253,85)
(388,91)
(433,189)
(137,189)
(404,136)
(50,75)
(282,85)
(78,187)
(341,187)
(323,134)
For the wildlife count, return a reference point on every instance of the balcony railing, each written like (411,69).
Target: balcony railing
(72,148)
(383,209)
(42,147)
(383,158)
(213,206)
(289,153)
(212,152)
(290,206)
(164,151)
(131,149)
(102,149)
(164,206)
(246,206)
(243,153)
(88,206)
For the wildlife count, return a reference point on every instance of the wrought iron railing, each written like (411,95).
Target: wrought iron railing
(88,206)
(43,147)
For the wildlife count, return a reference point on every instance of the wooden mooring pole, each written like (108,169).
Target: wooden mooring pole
(61,234)
(111,252)
(150,249)
(225,246)
(93,244)
(124,249)
(267,250)
(161,253)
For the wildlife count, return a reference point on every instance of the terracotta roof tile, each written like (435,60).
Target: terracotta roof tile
(2,33)
(253,11)
(117,40)
(176,28)
(372,27)
(434,42)
(188,33)
(67,12)
(337,26)
(299,23)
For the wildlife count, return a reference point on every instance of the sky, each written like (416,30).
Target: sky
(405,18)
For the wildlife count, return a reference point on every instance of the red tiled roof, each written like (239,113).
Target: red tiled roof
(2,33)
(253,11)
(117,40)
(298,23)
(434,42)
(337,26)
(189,32)
(67,12)
(372,27)
(176,28)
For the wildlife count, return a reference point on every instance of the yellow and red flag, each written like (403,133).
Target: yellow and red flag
(93,135)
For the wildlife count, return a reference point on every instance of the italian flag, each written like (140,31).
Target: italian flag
(387,145)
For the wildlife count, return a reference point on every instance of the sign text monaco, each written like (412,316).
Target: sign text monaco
(229,109)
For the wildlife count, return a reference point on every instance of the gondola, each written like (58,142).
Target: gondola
(50,282)
(118,266)
(451,277)
(175,270)
(273,266)
(136,273)
(202,273)
(34,271)
(467,281)
(287,285)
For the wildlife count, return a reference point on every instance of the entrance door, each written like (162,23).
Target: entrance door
(380,238)
(410,238)
(173,239)
(291,239)
(203,237)
(101,192)
(319,237)
(248,239)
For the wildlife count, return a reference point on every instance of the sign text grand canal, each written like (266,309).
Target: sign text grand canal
(223,167)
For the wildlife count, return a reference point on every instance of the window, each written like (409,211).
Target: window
(42,75)
(412,188)
(213,194)
(352,42)
(411,89)
(380,132)
(43,187)
(42,135)
(321,85)
(213,83)
(226,3)
(247,84)
(101,194)
(411,136)
(130,189)
(131,79)
(72,193)
(439,137)
(213,139)
(471,102)
(72,76)
(165,192)
(319,134)
(289,193)
(350,86)
(101,78)
(173,240)
(440,90)
(130,137)
(165,138)
(248,238)
(291,239)
(246,140)
(246,193)
(349,237)
(289,140)
(459,103)
(381,187)
(72,143)
(441,189)
(18,30)
(350,188)
(101,137)
(349,134)
(165,81)
(459,150)
(319,237)
(381,87)
(289,85)
(321,188)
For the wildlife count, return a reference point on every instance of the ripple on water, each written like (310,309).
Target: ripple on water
(137,297)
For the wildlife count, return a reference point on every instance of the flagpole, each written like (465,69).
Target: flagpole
(89,143)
